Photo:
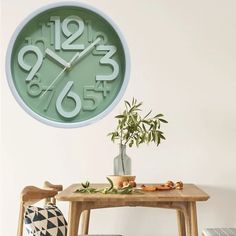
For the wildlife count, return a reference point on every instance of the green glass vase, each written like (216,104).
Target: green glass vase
(122,162)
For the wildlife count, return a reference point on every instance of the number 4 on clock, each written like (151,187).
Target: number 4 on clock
(101,86)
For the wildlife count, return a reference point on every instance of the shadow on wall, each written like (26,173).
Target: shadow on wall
(220,209)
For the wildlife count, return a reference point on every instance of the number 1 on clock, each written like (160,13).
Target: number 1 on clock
(57,32)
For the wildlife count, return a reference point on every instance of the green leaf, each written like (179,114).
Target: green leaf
(146,122)
(105,191)
(158,140)
(125,191)
(131,143)
(155,136)
(134,101)
(128,103)
(158,115)
(162,137)
(119,116)
(85,185)
(143,137)
(147,114)
(138,105)
(91,190)
(111,183)
(137,141)
(163,121)
(144,128)
(134,118)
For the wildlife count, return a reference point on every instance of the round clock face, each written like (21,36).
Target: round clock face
(68,64)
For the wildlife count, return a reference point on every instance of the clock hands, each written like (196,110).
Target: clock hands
(73,61)
(78,55)
(57,58)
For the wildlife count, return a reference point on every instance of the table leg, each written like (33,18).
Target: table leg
(187,217)
(181,223)
(193,213)
(191,219)
(85,222)
(75,211)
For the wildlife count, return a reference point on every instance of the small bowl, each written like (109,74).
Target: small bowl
(119,179)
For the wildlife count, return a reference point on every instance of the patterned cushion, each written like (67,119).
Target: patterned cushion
(47,221)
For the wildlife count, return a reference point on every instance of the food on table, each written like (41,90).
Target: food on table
(126,183)
(148,188)
(132,183)
(119,181)
(169,185)
(164,187)
(179,185)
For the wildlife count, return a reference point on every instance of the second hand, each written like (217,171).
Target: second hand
(54,81)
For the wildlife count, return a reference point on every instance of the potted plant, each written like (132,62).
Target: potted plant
(133,129)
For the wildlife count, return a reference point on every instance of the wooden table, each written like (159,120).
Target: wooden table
(183,201)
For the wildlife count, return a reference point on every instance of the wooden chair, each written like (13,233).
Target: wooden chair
(31,195)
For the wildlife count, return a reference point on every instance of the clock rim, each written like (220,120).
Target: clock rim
(56,123)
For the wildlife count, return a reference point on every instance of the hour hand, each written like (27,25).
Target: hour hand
(57,58)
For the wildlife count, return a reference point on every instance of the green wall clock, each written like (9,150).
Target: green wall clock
(68,64)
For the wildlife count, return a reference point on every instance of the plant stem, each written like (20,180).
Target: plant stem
(121,135)
(122,158)
(123,164)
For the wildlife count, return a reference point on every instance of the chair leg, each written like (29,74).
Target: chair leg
(21,220)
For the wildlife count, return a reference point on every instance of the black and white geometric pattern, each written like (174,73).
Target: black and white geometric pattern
(47,221)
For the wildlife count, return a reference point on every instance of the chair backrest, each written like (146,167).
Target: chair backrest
(31,195)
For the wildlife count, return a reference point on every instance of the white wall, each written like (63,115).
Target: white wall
(184,65)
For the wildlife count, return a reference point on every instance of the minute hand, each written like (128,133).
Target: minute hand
(78,55)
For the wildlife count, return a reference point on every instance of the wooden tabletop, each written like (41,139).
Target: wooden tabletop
(190,192)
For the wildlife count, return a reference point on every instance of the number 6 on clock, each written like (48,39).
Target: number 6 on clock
(67,93)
